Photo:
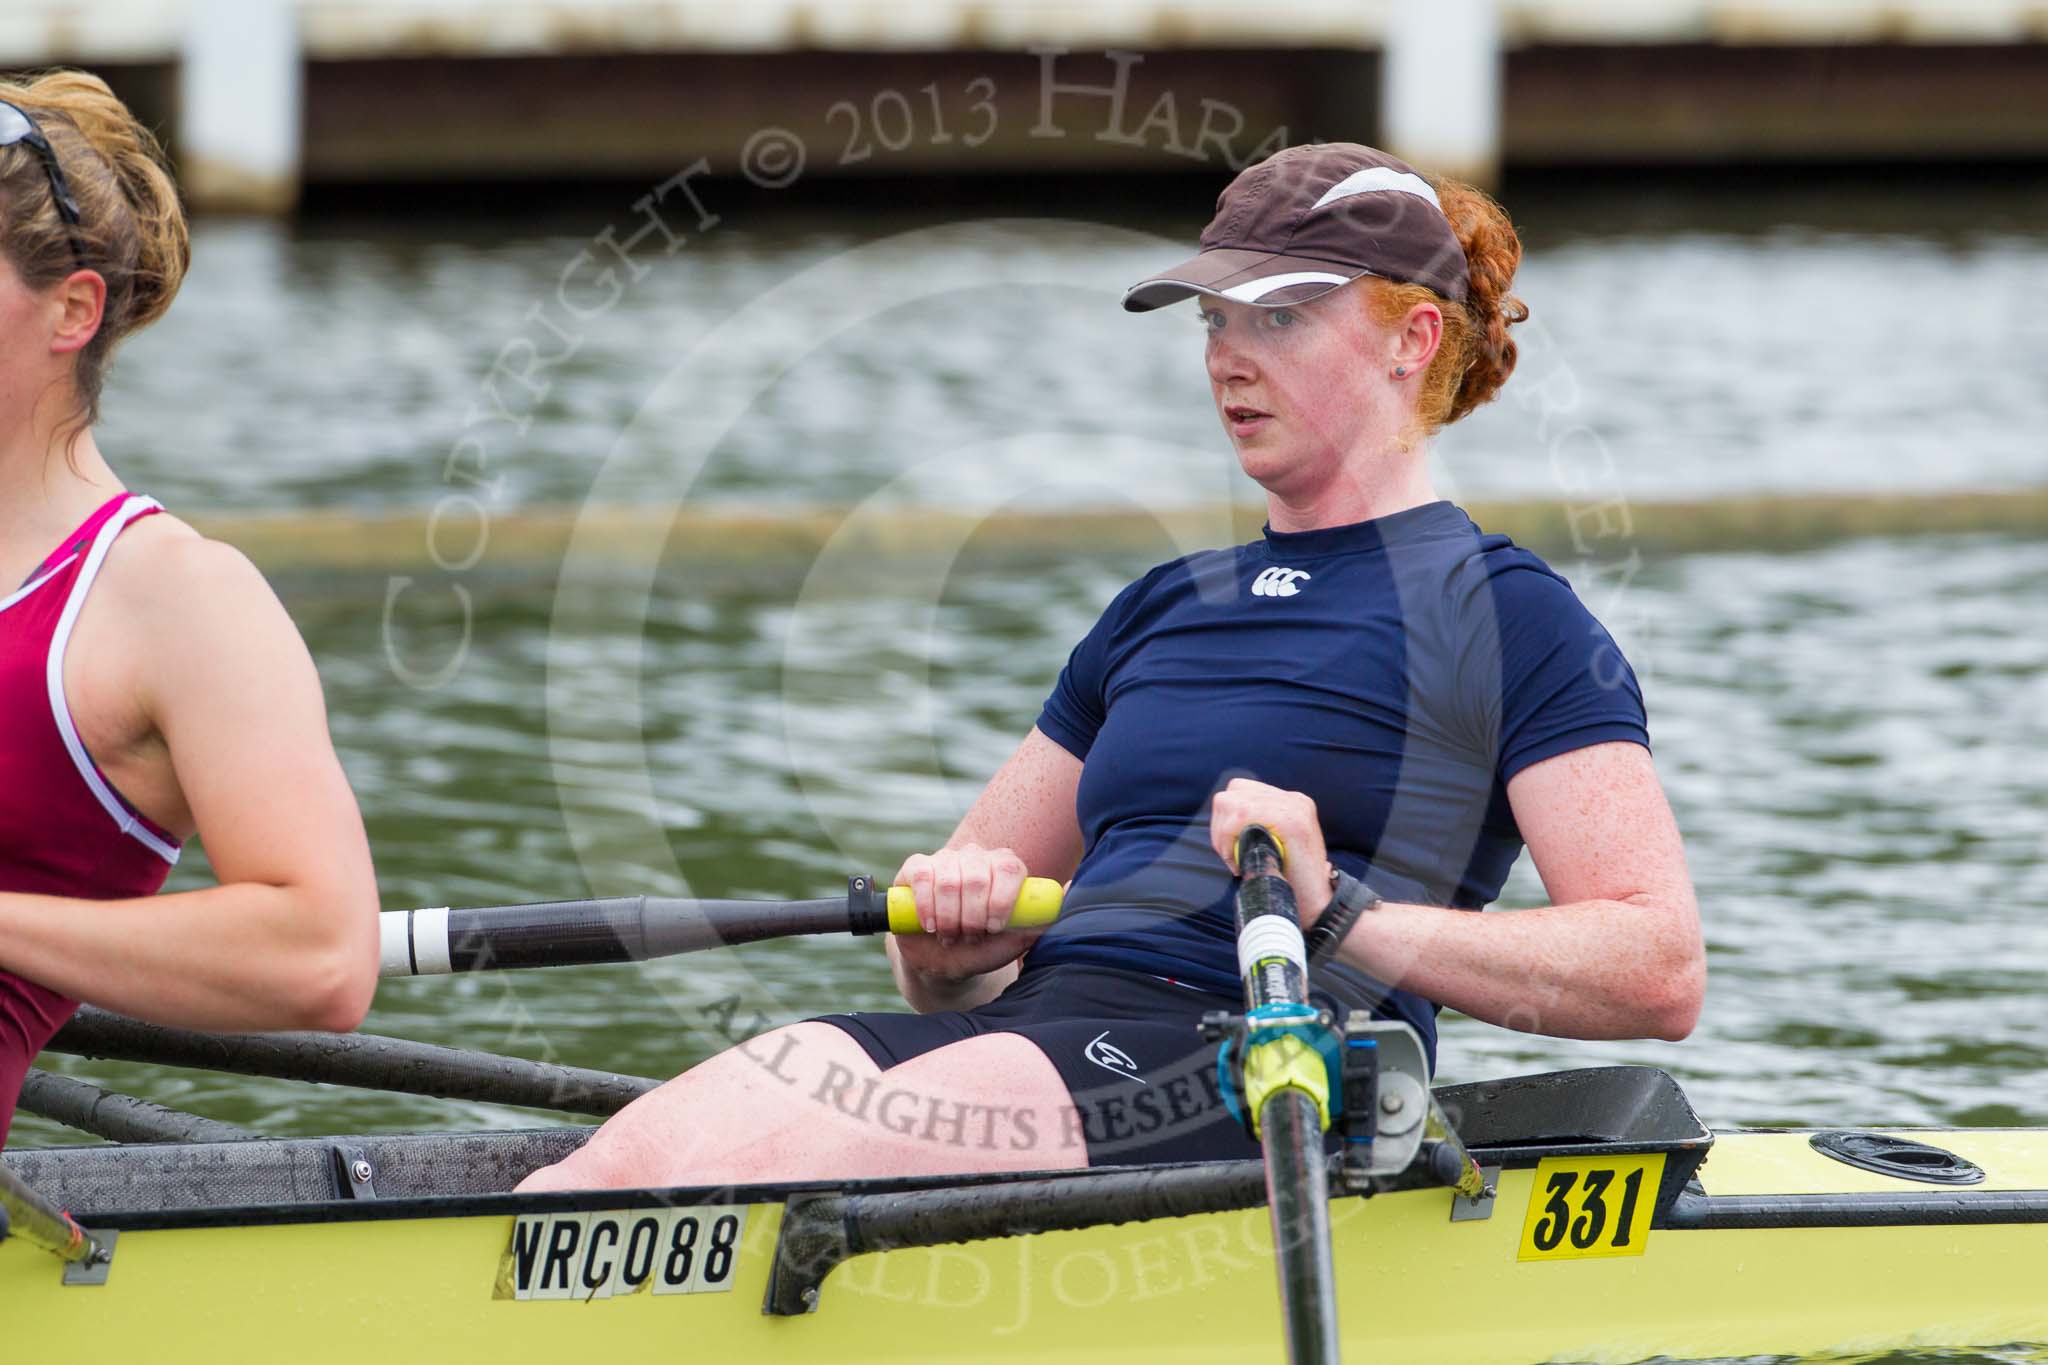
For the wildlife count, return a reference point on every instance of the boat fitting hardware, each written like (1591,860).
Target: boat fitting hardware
(354,1176)
(95,1268)
(1465,1210)
(44,1224)
(1274,1047)
(867,906)
(1899,1158)
(1386,1099)
(823,1229)
(815,1238)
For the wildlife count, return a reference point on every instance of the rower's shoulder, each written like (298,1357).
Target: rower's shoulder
(1202,575)
(165,555)
(165,572)
(1491,561)
(174,617)
(1197,566)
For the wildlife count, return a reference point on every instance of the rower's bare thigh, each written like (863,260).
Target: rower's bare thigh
(780,1071)
(993,1102)
(722,1102)
(806,1101)
(808,1095)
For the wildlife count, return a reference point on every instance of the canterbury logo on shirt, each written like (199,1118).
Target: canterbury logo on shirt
(1279,582)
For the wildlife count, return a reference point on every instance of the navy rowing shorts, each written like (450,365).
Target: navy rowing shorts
(1126,1044)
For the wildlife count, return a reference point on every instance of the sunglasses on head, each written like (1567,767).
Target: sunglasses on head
(17,126)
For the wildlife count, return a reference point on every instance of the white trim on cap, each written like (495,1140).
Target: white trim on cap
(1378,178)
(1249,292)
(1253,290)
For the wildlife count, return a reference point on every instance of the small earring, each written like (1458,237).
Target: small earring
(1400,371)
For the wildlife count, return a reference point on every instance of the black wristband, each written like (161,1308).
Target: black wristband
(1349,899)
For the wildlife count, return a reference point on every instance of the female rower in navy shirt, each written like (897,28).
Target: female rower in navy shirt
(1395,693)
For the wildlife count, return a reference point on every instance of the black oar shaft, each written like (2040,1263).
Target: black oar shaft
(1298,1191)
(358,1059)
(117,1117)
(623,929)
(636,928)
(609,929)
(1274,964)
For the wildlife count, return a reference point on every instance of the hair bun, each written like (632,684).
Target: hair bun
(1493,251)
(132,225)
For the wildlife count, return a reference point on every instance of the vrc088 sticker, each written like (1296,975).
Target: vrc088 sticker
(604,1255)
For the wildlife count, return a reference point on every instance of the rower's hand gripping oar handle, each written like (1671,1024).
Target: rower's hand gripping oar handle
(1260,853)
(1038,904)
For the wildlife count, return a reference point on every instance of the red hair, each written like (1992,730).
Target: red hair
(1477,355)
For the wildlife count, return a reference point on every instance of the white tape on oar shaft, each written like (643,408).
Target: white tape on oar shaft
(413,943)
(394,943)
(430,942)
(1270,936)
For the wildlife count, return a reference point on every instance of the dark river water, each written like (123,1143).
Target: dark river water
(1855,739)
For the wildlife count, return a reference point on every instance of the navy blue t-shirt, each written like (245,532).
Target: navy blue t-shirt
(1399,671)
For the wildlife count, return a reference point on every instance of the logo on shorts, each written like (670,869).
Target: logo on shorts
(1110,1057)
(1278,582)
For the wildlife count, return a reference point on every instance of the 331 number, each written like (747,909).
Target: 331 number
(1591,1206)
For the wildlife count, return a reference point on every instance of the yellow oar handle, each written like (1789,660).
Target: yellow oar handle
(1038,904)
(1252,836)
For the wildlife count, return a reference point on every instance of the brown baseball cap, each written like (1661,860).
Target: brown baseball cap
(1310,218)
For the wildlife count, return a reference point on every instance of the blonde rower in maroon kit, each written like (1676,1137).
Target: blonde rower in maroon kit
(151,686)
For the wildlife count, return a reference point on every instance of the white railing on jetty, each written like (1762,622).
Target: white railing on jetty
(34,32)
(240,61)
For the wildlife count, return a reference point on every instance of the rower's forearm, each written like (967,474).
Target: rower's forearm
(241,957)
(1590,969)
(928,994)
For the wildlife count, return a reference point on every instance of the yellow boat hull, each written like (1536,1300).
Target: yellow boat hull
(344,1284)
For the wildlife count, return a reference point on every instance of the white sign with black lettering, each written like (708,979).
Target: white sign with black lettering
(586,1256)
